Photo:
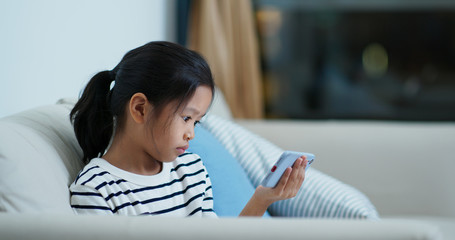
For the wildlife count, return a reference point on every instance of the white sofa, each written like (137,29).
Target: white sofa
(404,168)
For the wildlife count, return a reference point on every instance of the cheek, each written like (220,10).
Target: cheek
(167,135)
(173,135)
(168,132)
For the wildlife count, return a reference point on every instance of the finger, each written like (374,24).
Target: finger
(295,182)
(295,175)
(296,161)
(302,168)
(305,162)
(302,172)
(284,179)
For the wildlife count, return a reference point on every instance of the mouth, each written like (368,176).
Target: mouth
(182,150)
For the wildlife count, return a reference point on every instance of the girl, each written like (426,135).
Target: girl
(145,122)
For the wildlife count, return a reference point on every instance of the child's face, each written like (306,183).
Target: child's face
(171,139)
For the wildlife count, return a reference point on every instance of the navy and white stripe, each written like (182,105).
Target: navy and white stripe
(182,188)
(320,196)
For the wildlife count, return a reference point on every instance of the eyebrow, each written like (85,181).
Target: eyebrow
(194,110)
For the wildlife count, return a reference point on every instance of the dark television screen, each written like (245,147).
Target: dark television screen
(347,62)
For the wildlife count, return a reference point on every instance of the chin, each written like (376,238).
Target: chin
(170,158)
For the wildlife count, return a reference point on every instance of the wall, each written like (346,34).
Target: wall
(49,49)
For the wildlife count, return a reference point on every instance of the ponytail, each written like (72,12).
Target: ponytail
(92,117)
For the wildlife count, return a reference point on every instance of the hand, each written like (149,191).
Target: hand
(287,187)
(289,183)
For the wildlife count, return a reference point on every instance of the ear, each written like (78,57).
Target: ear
(139,107)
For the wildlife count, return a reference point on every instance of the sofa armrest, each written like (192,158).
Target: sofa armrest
(49,227)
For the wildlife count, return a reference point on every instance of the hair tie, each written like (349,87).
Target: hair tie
(112,75)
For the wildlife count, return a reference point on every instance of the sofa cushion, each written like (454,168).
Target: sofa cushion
(320,195)
(230,185)
(39,158)
(219,105)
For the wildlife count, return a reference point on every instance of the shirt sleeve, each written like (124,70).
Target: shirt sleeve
(87,200)
(207,203)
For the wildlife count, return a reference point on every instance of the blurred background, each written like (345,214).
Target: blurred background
(49,49)
(358,59)
(324,59)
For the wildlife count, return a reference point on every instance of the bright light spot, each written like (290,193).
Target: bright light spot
(375,60)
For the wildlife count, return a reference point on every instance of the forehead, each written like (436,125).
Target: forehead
(200,101)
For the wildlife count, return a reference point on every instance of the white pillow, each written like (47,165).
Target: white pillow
(219,105)
(320,195)
(39,158)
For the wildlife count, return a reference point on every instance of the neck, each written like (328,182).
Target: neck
(128,156)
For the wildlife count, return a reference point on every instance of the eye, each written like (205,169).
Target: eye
(186,118)
(196,123)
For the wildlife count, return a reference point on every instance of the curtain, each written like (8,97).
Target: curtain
(224,32)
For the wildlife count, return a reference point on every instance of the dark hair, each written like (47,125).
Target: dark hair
(164,72)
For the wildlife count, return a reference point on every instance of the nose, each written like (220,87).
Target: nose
(189,135)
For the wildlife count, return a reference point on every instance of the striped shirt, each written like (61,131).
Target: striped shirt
(182,188)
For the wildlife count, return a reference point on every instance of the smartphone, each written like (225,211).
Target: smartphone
(286,160)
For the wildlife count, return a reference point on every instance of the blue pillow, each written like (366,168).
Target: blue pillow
(231,186)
